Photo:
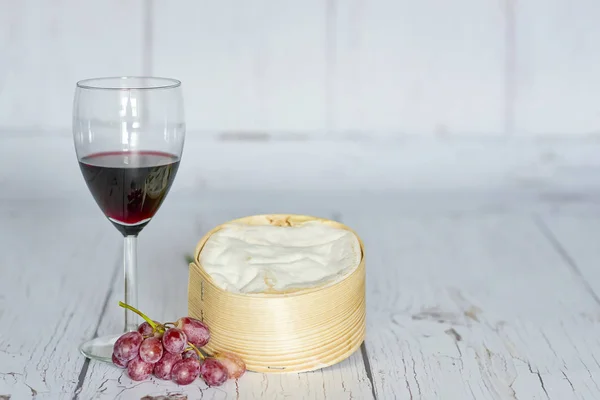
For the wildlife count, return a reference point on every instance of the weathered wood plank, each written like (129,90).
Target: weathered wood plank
(575,238)
(479,307)
(399,67)
(507,175)
(255,67)
(475,305)
(55,269)
(163,294)
(552,52)
(51,45)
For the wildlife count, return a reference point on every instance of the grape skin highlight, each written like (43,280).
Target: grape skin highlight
(139,370)
(197,332)
(126,347)
(151,350)
(174,340)
(213,372)
(185,371)
(164,366)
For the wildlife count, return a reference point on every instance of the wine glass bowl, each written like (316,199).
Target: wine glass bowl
(129,134)
(129,187)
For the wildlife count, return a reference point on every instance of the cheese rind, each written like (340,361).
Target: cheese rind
(243,258)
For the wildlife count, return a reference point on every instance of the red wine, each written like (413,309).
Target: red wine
(129,187)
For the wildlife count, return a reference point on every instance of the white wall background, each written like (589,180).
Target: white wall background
(316,67)
(341,72)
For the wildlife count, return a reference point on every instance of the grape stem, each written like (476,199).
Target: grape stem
(197,351)
(141,314)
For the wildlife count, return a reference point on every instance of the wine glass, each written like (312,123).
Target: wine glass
(129,134)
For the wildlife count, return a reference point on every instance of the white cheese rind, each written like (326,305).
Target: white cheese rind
(245,258)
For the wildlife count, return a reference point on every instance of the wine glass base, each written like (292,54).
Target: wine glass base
(100,348)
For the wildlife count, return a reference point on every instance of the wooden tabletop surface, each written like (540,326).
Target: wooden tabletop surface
(467,298)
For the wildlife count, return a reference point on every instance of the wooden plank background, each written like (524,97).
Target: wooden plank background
(466,298)
(317,68)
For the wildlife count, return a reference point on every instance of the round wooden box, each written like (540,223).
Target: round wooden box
(278,332)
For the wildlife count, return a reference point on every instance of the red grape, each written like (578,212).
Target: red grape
(126,347)
(234,365)
(118,362)
(196,331)
(185,371)
(162,369)
(174,340)
(151,350)
(138,369)
(190,354)
(146,329)
(213,372)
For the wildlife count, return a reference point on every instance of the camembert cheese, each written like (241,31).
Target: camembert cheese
(243,258)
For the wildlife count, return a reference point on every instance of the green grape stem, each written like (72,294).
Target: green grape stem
(197,351)
(141,314)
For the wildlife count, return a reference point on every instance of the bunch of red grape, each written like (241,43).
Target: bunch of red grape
(172,351)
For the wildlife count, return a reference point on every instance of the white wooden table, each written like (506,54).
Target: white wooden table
(469,296)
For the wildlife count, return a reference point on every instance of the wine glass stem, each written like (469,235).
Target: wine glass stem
(130,269)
